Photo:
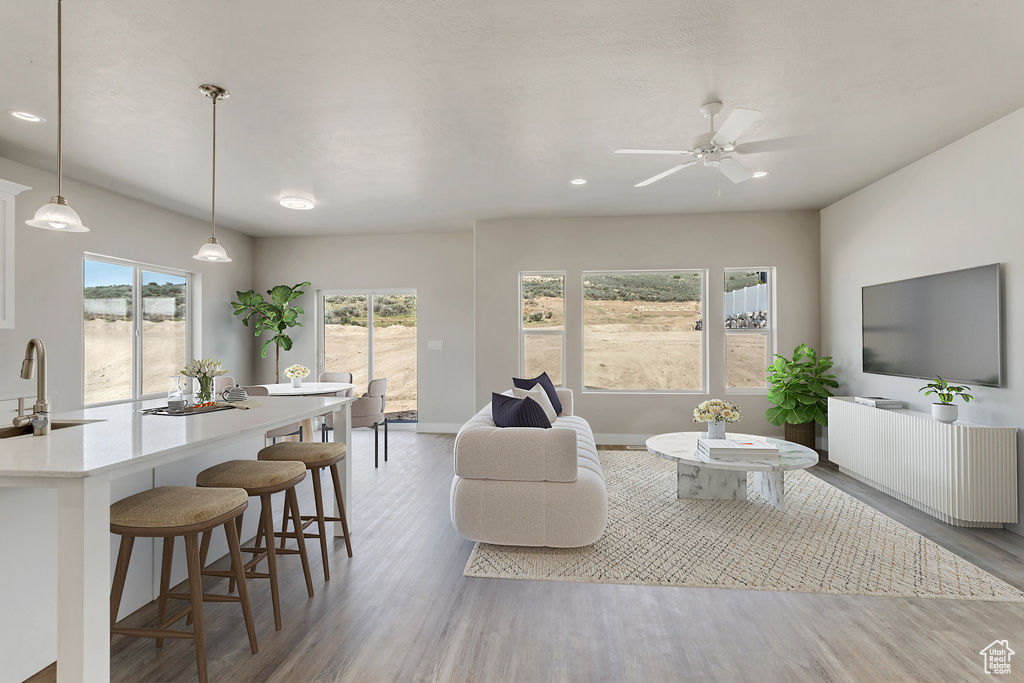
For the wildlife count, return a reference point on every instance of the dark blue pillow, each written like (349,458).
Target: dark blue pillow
(545,382)
(509,411)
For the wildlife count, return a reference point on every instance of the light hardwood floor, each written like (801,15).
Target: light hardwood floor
(401,610)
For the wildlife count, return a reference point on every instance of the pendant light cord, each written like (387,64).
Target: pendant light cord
(213,197)
(60,60)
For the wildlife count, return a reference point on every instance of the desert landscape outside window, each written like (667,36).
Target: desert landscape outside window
(642,332)
(542,325)
(136,331)
(749,327)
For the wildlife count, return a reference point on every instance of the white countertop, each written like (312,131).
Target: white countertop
(683,446)
(307,388)
(126,438)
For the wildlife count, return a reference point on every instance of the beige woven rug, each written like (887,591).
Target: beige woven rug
(825,542)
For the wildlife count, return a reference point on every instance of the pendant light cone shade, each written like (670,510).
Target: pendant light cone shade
(57,215)
(212,251)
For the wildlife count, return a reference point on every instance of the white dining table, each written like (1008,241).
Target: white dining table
(308,389)
(110,442)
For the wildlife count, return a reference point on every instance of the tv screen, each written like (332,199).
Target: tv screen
(947,324)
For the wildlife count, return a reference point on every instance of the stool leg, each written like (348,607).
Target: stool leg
(195,587)
(284,521)
(341,506)
(234,548)
(318,498)
(165,584)
(267,522)
(292,501)
(204,550)
(124,555)
(238,531)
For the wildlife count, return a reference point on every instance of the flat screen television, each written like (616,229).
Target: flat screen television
(949,324)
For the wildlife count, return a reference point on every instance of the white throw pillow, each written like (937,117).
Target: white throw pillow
(538,394)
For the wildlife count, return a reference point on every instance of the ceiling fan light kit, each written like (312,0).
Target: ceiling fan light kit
(715,146)
(212,251)
(57,214)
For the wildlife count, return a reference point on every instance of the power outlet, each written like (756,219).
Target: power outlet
(435,346)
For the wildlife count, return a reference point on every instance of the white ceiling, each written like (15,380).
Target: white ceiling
(417,115)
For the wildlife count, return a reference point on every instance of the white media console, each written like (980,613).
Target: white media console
(964,474)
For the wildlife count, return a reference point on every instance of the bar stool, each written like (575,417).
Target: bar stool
(261,479)
(315,456)
(167,512)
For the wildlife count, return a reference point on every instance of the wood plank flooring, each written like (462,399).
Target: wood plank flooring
(401,610)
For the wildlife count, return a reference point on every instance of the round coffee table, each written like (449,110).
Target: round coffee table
(727,479)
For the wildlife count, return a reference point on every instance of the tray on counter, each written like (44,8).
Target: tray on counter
(162,410)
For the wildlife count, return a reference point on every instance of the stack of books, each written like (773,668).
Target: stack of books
(736,449)
(879,402)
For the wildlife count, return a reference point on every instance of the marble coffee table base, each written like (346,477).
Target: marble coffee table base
(714,484)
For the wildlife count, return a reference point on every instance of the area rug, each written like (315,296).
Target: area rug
(824,542)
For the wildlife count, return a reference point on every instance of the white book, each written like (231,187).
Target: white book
(740,448)
(878,402)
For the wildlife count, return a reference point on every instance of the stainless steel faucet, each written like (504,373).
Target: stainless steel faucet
(41,410)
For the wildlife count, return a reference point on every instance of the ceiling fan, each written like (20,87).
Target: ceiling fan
(714,147)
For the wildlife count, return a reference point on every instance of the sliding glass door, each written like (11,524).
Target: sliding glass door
(372,334)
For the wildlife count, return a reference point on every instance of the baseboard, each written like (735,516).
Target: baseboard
(621,439)
(438,427)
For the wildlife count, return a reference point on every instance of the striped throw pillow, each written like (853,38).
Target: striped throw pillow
(508,411)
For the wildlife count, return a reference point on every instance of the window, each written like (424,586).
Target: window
(136,329)
(373,334)
(749,336)
(542,325)
(642,331)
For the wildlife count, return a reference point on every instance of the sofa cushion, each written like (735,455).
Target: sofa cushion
(545,382)
(509,411)
(538,394)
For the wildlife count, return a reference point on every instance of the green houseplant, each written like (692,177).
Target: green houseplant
(945,410)
(798,390)
(275,316)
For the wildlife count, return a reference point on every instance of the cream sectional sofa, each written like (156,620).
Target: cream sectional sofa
(528,486)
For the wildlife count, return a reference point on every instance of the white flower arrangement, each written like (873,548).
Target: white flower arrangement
(203,368)
(300,371)
(716,410)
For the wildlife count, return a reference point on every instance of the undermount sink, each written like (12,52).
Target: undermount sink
(11,432)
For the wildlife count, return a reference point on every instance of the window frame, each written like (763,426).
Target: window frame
(523,331)
(769,331)
(190,306)
(705,355)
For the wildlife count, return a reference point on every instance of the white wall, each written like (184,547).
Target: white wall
(959,207)
(49,306)
(438,266)
(504,248)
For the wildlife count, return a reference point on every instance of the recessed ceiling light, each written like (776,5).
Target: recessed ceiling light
(579,181)
(298,203)
(25,116)
(760,174)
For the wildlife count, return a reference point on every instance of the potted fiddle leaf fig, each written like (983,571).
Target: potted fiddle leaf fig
(798,389)
(275,316)
(945,410)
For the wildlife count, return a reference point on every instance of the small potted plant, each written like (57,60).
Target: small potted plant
(716,413)
(945,410)
(297,373)
(798,390)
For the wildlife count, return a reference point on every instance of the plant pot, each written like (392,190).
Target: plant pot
(802,434)
(944,412)
(716,430)
(296,382)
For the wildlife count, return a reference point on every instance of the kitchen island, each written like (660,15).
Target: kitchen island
(117,441)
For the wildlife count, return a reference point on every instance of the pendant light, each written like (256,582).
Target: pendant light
(57,215)
(212,251)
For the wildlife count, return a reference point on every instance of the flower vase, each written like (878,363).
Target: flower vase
(205,389)
(716,430)
(296,382)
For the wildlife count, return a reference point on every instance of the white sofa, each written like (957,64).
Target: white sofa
(529,486)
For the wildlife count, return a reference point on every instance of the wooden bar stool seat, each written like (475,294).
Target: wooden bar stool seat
(261,479)
(314,457)
(167,512)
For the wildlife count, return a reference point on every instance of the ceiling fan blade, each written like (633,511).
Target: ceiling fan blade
(776,144)
(666,173)
(738,122)
(652,151)
(734,170)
